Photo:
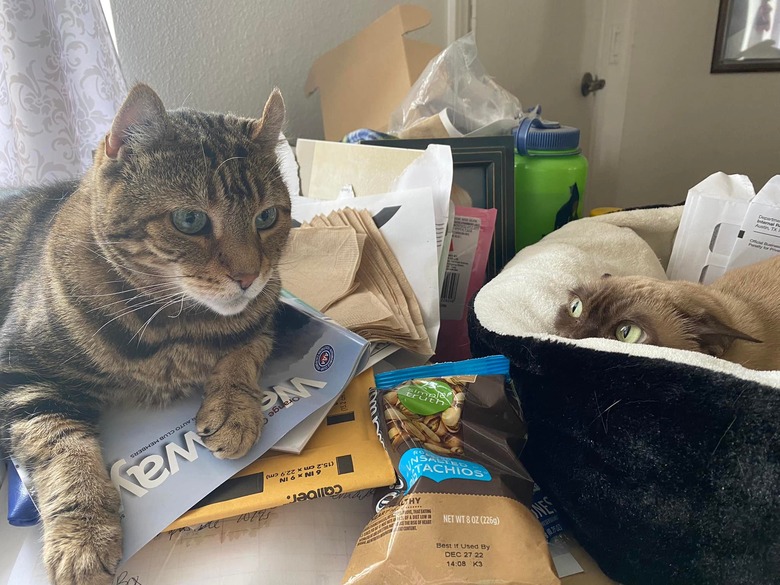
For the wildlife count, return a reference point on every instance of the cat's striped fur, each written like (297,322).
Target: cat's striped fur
(103,300)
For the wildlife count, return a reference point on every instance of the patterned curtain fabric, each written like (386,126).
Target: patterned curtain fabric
(60,86)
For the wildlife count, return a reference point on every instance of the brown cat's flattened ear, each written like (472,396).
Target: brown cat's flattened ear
(142,107)
(714,336)
(269,126)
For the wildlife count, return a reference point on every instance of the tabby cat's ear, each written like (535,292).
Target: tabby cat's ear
(269,126)
(141,108)
(714,336)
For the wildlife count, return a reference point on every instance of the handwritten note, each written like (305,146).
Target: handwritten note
(299,544)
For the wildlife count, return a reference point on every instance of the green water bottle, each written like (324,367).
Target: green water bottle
(550,175)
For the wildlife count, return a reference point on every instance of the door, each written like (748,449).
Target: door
(540,50)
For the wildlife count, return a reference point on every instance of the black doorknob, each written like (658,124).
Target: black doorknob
(590,84)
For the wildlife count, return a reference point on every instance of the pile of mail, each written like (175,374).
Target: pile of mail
(340,264)
(406,193)
(725,225)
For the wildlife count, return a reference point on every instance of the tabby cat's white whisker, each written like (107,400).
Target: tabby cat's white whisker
(181,308)
(199,308)
(264,294)
(149,289)
(228,160)
(141,331)
(205,158)
(117,264)
(146,288)
(270,171)
(142,305)
(165,276)
(133,310)
(87,242)
(290,262)
(150,301)
(145,293)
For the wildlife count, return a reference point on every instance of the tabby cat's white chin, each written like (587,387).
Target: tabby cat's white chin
(232,305)
(226,308)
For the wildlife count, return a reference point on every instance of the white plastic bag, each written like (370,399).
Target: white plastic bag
(456,86)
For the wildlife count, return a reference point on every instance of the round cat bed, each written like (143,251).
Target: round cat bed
(665,463)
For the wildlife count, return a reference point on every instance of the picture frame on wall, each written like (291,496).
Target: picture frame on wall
(747,37)
(483,175)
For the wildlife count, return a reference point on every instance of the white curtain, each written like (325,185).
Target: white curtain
(60,86)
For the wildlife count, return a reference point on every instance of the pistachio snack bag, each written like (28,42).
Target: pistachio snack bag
(460,510)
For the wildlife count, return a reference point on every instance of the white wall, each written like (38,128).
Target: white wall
(536,48)
(227,55)
(540,49)
(683,123)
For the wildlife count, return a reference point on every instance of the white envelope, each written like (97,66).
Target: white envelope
(759,235)
(711,220)
(327,167)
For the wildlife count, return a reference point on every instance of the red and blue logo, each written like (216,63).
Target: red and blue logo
(324,358)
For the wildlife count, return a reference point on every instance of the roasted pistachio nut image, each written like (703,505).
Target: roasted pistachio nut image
(440,432)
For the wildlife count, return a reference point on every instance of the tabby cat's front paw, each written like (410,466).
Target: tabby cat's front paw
(230,419)
(82,551)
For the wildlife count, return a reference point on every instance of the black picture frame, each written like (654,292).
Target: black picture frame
(491,158)
(736,27)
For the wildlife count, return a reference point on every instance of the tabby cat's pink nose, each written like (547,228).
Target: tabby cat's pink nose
(245,280)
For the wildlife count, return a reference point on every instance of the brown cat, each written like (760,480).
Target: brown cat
(736,317)
(152,277)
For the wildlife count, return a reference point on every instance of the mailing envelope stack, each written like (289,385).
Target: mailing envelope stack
(343,456)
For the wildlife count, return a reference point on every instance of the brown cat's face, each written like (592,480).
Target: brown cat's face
(636,309)
(194,206)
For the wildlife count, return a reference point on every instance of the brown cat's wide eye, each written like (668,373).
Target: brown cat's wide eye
(629,333)
(266,219)
(575,307)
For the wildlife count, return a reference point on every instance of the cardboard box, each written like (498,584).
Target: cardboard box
(364,79)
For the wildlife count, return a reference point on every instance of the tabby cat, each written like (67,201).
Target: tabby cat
(736,318)
(154,275)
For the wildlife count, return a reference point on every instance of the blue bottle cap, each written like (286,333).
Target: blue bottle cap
(536,134)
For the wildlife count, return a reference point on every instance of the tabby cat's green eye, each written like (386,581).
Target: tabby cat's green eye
(629,333)
(575,307)
(266,219)
(190,221)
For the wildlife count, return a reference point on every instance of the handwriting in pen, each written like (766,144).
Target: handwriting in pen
(124,579)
